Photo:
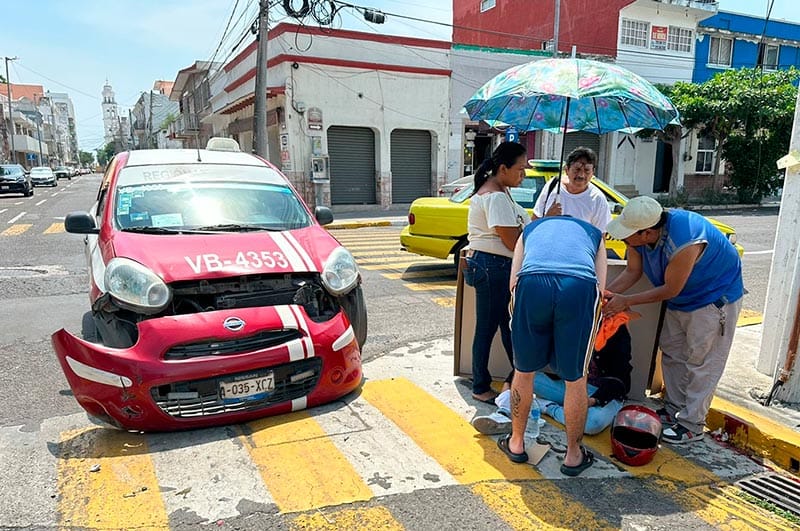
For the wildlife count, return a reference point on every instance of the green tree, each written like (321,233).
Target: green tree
(749,113)
(86,158)
(167,121)
(105,154)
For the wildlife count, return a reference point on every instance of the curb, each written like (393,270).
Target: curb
(734,206)
(362,224)
(756,435)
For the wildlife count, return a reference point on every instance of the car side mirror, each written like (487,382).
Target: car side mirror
(323,214)
(616,208)
(80,223)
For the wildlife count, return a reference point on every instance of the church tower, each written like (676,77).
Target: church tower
(110,114)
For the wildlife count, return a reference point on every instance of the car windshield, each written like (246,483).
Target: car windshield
(526,194)
(207,197)
(40,170)
(10,170)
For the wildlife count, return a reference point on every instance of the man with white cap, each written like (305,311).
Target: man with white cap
(697,271)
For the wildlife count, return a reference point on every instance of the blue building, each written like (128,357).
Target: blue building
(730,40)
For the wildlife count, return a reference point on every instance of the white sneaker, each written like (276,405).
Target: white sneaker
(494,424)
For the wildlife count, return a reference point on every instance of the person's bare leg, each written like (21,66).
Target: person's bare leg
(521,398)
(576,402)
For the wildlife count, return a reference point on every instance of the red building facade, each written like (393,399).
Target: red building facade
(589,25)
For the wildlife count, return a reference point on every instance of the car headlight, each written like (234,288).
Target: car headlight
(136,286)
(340,273)
(732,238)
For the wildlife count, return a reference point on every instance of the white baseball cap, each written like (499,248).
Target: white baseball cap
(640,213)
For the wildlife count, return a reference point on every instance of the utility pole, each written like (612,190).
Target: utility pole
(150,132)
(260,142)
(556,24)
(39,135)
(130,124)
(10,118)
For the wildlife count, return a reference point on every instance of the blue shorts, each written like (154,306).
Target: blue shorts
(554,323)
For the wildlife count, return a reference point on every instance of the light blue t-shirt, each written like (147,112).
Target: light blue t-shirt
(560,245)
(717,275)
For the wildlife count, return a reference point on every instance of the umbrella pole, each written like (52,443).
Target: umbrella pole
(563,149)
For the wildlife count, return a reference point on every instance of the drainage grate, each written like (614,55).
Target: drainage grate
(774,488)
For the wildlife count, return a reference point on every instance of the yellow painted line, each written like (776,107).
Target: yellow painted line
(473,458)
(721,506)
(430,286)
(445,302)
(387,252)
(55,228)
(395,265)
(756,434)
(366,519)
(16,230)
(749,317)
(355,248)
(673,473)
(123,494)
(372,243)
(358,224)
(300,465)
(447,271)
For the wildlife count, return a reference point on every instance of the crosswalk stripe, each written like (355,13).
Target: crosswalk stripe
(446,271)
(123,493)
(55,228)
(723,508)
(16,230)
(445,302)
(392,265)
(366,519)
(431,286)
(386,248)
(15,218)
(299,464)
(368,240)
(214,459)
(371,252)
(469,457)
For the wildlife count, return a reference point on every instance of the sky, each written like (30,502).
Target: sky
(75,46)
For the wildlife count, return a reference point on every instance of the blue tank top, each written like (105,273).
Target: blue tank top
(560,245)
(717,275)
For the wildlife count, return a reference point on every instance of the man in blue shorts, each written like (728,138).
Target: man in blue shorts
(557,277)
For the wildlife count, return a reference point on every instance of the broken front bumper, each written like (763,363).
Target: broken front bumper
(171,378)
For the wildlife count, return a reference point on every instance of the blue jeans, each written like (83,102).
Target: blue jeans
(598,418)
(489,274)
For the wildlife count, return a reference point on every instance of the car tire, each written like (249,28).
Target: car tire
(457,251)
(356,309)
(89,330)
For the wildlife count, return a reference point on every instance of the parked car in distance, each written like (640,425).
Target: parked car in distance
(448,189)
(42,175)
(437,226)
(15,180)
(216,295)
(62,172)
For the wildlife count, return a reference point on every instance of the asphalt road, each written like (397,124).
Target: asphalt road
(406,418)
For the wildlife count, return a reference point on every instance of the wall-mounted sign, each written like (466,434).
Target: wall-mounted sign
(314,119)
(316,145)
(658,37)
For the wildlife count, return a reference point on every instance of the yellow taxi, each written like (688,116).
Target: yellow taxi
(437,226)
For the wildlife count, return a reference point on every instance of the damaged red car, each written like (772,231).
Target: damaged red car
(216,295)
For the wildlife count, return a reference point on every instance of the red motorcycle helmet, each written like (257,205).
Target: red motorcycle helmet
(635,434)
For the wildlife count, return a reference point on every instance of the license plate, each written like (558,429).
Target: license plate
(250,389)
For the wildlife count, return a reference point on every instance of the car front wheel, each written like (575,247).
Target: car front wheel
(356,309)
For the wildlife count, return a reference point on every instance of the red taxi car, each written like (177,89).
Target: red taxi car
(216,295)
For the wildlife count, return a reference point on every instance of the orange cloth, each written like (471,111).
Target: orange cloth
(610,325)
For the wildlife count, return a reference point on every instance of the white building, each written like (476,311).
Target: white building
(111,124)
(354,118)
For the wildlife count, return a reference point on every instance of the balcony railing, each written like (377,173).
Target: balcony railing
(187,123)
(706,5)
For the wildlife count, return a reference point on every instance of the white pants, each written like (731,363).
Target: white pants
(694,352)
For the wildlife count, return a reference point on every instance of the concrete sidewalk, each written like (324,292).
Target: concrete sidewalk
(737,415)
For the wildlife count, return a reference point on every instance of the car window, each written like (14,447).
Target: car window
(526,194)
(203,196)
(10,170)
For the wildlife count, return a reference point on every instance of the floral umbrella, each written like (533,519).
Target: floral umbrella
(563,95)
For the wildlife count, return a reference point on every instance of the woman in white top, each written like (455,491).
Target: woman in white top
(494,223)
(577,198)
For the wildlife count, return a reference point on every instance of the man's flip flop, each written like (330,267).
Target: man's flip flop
(489,401)
(502,443)
(588,460)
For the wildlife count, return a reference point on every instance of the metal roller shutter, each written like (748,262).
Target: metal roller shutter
(411,165)
(580,138)
(351,152)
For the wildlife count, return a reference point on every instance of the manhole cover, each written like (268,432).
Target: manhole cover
(30,271)
(774,488)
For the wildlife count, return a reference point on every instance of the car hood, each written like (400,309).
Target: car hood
(204,256)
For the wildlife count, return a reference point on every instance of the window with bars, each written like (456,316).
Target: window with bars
(487,4)
(770,59)
(705,154)
(634,33)
(719,51)
(679,39)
